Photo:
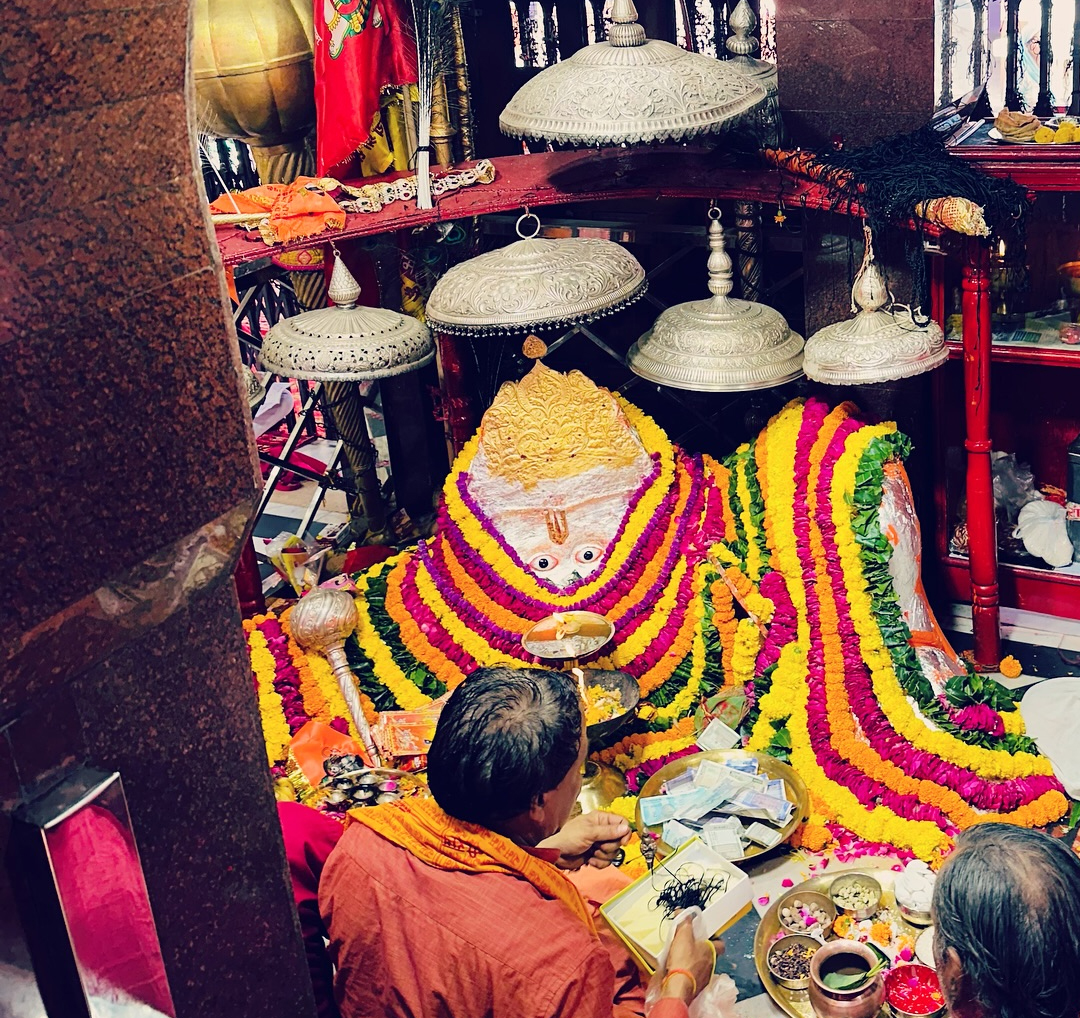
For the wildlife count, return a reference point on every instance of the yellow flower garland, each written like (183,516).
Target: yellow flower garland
(747,645)
(275,728)
(1013,721)
(742,487)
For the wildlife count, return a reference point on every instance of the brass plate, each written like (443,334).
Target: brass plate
(796,1003)
(570,646)
(769,765)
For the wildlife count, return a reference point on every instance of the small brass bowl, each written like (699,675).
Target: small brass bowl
(822,901)
(847,880)
(612,681)
(791,940)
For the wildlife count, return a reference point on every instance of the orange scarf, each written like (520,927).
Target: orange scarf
(433,837)
(293,210)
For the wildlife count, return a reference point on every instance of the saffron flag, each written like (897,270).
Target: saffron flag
(361,47)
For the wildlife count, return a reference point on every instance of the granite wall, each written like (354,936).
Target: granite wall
(127,484)
(862,69)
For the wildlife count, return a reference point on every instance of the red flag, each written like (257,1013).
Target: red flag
(361,46)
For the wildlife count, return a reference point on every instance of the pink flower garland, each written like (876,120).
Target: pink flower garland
(982,793)
(979,717)
(690,528)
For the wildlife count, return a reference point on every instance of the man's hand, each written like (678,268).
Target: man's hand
(593,838)
(693,956)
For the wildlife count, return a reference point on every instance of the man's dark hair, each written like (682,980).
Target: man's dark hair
(505,737)
(1008,903)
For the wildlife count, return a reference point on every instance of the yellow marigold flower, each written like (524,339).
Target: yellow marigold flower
(1010,667)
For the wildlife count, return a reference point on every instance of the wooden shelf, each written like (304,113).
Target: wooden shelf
(1038,167)
(1051,357)
(561,178)
(1048,591)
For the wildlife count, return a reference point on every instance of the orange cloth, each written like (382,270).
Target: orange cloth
(421,828)
(294,211)
(412,940)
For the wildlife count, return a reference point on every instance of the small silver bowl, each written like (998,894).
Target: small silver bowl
(913,915)
(787,942)
(846,880)
(822,901)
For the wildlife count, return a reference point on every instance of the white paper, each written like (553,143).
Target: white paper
(274,409)
(717,735)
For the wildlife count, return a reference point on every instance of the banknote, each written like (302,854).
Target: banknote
(746,764)
(724,842)
(681,782)
(762,835)
(658,809)
(760,806)
(676,834)
(717,735)
(729,823)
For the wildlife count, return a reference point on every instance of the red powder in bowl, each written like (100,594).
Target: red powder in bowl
(914,989)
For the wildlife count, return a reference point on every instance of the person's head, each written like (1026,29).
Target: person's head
(508,751)
(1007,942)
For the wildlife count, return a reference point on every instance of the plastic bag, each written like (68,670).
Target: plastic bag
(717,1000)
(1014,484)
(1041,526)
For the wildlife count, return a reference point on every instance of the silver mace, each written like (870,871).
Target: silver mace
(322,621)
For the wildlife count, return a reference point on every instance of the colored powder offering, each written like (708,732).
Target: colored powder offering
(914,989)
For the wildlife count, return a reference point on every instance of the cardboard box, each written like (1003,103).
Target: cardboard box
(638,922)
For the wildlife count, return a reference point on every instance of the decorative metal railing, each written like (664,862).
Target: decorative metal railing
(699,25)
(1023,50)
(226,166)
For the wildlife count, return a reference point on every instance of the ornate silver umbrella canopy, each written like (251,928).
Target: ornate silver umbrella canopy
(877,345)
(719,344)
(629,89)
(346,343)
(535,283)
(340,346)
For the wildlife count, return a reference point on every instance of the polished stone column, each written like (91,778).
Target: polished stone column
(862,70)
(127,484)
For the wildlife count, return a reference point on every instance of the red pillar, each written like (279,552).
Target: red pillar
(458,414)
(248,582)
(982,534)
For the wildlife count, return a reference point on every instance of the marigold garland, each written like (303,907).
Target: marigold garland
(276,732)
(806,450)
(294,687)
(790,526)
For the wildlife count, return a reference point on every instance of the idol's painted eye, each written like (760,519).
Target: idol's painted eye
(543,563)
(587,554)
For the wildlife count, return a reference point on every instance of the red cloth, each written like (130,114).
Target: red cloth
(309,838)
(413,941)
(361,46)
(101,885)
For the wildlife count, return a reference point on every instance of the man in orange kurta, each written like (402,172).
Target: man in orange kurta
(459,907)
